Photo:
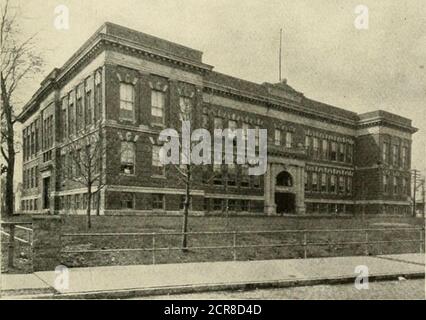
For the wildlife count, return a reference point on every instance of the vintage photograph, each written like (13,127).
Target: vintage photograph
(213,150)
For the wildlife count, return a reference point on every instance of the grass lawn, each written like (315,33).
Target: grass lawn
(76,224)
(164,224)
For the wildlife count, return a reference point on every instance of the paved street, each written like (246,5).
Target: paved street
(399,290)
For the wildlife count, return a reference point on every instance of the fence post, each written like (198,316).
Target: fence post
(366,244)
(153,248)
(305,243)
(11,251)
(234,245)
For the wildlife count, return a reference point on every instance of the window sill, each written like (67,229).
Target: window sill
(157,176)
(127,121)
(159,125)
(127,174)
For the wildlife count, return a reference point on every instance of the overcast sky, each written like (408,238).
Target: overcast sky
(324,55)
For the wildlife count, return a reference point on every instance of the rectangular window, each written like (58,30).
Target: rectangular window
(182,202)
(277,137)
(37,135)
(32,177)
(77,201)
(45,135)
(32,139)
(157,166)
(307,142)
(24,143)
(98,95)
(323,182)
(158,201)
(217,171)
(256,181)
(127,200)
(84,203)
(127,157)
(88,106)
(77,162)
(256,136)
(70,165)
(206,204)
(232,125)
(316,147)
(395,185)
(217,204)
(342,184)
(231,181)
(218,123)
(404,186)
(324,149)
(79,108)
(404,157)
(127,101)
(342,152)
(64,118)
(244,205)
(333,154)
(29,143)
(158,101)
(36,176)
(245,178)
(349,153)
(395,155)
(185,105)
(349,185)
(289,139)
(332,183)
(385,183)
(245,128)
(68,202)
(205,121)
(71,117)
(314,181)
(232,204)
(385,151)
(305,177)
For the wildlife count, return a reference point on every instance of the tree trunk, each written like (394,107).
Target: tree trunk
(98,202)
(10,142)
(89,200)
(185,211)
(100,163)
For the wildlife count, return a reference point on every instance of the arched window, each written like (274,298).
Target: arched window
(284,179)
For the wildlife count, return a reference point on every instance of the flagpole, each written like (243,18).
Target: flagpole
(281,36)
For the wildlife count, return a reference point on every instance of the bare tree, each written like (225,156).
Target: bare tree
(84,165)
(186,170)
(18,61)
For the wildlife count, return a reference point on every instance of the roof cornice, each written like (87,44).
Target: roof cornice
(289,106)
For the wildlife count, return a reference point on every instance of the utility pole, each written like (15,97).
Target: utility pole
(423,197)
(414,174)
(279,58)
(417,183)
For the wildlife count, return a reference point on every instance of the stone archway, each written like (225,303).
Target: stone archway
(284,179)
(284,190)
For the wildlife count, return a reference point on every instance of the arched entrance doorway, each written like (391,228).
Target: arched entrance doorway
(285,199)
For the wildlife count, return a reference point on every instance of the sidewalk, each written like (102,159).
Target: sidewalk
(130,281)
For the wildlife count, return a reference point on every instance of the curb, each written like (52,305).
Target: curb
(143,292)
